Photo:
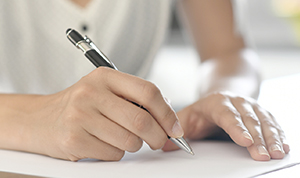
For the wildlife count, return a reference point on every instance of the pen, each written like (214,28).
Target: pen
(99,59)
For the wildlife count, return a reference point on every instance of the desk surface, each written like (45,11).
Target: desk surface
(212,159)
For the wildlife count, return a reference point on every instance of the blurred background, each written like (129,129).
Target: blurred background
(271,28)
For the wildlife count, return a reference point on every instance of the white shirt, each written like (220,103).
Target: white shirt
(36,56)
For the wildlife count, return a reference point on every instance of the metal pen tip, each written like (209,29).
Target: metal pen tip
(192,153)
(181,143)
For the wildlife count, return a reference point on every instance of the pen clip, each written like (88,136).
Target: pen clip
(90,42)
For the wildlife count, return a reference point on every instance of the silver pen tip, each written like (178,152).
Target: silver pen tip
(181,143)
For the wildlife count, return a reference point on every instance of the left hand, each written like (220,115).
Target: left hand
(247,123)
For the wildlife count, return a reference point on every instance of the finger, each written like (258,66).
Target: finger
(273,134)
(149,96)
(194,124)
(258,150)
(169,146)
(285,145)
(228,118)
(84,145)
(134,119)
(187,125)
(110,132)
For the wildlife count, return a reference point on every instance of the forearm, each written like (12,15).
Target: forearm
(236,72)
(227,65)
(16,118)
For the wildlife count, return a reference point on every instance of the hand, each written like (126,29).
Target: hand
(241,118)
(92,118)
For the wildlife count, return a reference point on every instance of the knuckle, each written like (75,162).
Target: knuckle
(150,91)
(82,92)
(168,114)
(133,143)
(261,110)
(264,111)
(141,121)
(269,123)
(282,138)
(281,133)
(273,139)
(240,99)
(225,114)
(219,95)
(100,72)
(233,113)
(228,112)
(251,118)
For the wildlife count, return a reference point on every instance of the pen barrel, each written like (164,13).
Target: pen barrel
(97,59)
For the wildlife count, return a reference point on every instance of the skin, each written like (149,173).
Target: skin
(79,123)
(92,118)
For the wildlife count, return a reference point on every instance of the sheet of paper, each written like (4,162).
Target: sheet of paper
(287,171)
(212,159)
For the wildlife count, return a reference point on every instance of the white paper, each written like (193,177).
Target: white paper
(212,159)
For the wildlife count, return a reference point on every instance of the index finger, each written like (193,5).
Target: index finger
(149,96)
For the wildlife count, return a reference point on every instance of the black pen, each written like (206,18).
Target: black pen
(99,59)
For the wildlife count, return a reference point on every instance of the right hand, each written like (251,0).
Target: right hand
(94,118)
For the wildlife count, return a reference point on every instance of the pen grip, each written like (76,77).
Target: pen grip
(97,59)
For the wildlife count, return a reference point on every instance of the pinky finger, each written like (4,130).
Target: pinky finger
(281,133)
(285,145)
(274,136)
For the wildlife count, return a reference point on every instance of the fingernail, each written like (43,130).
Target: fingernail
(248,136)
(177,129)
(263,151)
(276,147)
